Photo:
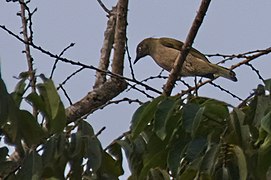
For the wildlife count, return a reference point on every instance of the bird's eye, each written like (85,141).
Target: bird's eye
(139,48)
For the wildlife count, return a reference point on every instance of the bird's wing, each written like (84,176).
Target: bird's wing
(175,44)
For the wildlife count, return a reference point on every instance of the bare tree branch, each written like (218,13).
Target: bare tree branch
(186,47)
(120,37)
(106,49)
(114,86)
(95,99)
(57,60)
(27,38)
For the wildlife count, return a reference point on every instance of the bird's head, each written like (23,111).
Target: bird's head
(143,49)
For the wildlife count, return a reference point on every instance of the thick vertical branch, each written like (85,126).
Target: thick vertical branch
(106,49)
(120,37)
(27,49)
(114,86)
(186,47)
(27,46)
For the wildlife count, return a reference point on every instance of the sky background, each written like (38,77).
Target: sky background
(230,27)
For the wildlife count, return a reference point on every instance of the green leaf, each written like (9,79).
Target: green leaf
(48,155)
(235,136)
(3,154)
(264,158)
(31,167)
(4,103)
(191,170)
(135,158)
(54,158)
(267,83)
(92,148)
(37,102)
(29,128)
(266,123)
(56,116)
(215,110)
(6,166)
(241,160)
(76,144)
(263,103)
(93,152)
(162,116)
(154,146)
(196,121)
(59,122)
(85,128)
(115,150)
(177,147)
(18,92)
(109,168)
(158,174)
(209,159)
(261,137)
(189,112)
(143,115)
(153,161)
(76,167)
(76,155)
(60,145)
(125,146)
(11,129)
(195,147)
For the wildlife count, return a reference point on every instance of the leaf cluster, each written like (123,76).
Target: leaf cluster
(48,147)
(170,137)
(200,138)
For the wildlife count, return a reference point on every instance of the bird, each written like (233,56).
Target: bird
(164,51)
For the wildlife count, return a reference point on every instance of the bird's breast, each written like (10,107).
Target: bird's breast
(165,57)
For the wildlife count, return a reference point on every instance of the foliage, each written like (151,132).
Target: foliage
(51,145)
(199,138)
(170,137)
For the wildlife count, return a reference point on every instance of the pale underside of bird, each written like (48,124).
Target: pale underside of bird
(164,51)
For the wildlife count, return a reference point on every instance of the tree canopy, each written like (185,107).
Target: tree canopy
(180,136)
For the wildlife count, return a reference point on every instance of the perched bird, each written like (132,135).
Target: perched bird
(164,51)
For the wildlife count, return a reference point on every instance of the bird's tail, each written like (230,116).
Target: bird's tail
(226,73)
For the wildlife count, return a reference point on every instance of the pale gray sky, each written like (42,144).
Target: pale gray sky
(230,27)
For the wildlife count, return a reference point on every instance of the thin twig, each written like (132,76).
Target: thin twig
(252,57)
(256,71)
(225,90)
(100,131)
(56,61)
(228,57)
(186,47)
(143,92)
(104,7)
(66,94)
(120,101)
(244,102)
(129,59)
(70,76)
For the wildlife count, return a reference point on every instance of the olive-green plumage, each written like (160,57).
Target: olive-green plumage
(164,51)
